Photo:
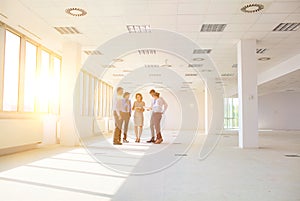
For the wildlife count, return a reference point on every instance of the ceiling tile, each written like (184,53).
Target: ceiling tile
(224,7)
(190,19)
(192,8)
(218,19)
(162,9)
(272,18)
(161,20)
(255,35)
(282,7)
(188,28)
(237,27)
(244,18)
(263,27)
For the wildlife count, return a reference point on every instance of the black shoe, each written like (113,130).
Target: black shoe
(151,140)
(117,143)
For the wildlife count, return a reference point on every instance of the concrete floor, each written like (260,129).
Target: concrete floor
(228,173)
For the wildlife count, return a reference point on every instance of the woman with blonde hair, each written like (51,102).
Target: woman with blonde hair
(138,107)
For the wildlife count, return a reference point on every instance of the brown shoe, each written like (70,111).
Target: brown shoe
(151,140)
(159,139)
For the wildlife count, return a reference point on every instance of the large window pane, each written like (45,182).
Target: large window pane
(11,72)
(30,77)
(56,85)
(44,82)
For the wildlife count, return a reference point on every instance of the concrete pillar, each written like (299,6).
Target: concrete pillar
(71,63)
(247,93)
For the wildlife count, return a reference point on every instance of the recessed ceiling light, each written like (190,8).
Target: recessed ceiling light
(146,51)
(92,52)
(77,12)
(264,58)
(287,27)
(201,51)
(261,50)
(252,8)
(151,66)
(198,59)
(195,65)
(212,27)
(67,30)
(118,60)
(138,28)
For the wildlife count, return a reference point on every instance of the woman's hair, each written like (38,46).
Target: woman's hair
(156,94)
(138,94)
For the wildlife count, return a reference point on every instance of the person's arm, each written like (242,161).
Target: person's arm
(143,108)
(133,107)
(165,104)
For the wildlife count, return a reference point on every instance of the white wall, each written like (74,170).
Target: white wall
(279,111)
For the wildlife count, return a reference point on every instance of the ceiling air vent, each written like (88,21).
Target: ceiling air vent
(202,51)
(92,52)
(287,27)
(138,28)
(195,65)
(118,75)
(146,51)
(227,74)
(261,50)
(151,66)
(191,74)
(234,65)
(213,27)
(67,30)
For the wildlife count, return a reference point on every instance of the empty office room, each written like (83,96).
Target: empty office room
(149,100)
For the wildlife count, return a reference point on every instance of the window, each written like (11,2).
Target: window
(231,110)
(11,71)
(44,82)
(55,95)
(95,96)
(30,77)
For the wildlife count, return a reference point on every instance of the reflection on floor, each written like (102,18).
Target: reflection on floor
(101,171)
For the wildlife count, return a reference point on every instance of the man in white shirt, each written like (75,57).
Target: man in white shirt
(158,107)
(117,108)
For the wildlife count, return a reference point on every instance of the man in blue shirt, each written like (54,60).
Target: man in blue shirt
(158,107)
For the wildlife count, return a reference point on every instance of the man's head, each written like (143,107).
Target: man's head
(120,91)
(126,95)
(152,92)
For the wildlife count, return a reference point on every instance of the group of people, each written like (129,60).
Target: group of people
(122,109)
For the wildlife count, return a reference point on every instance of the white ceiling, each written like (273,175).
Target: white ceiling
(107,19)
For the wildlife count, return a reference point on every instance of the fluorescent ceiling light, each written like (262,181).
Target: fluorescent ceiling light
(138,28)
(287,27)
(212,27)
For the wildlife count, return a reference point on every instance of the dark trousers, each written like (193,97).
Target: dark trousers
(118,128)
(125,120)
(155,123)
